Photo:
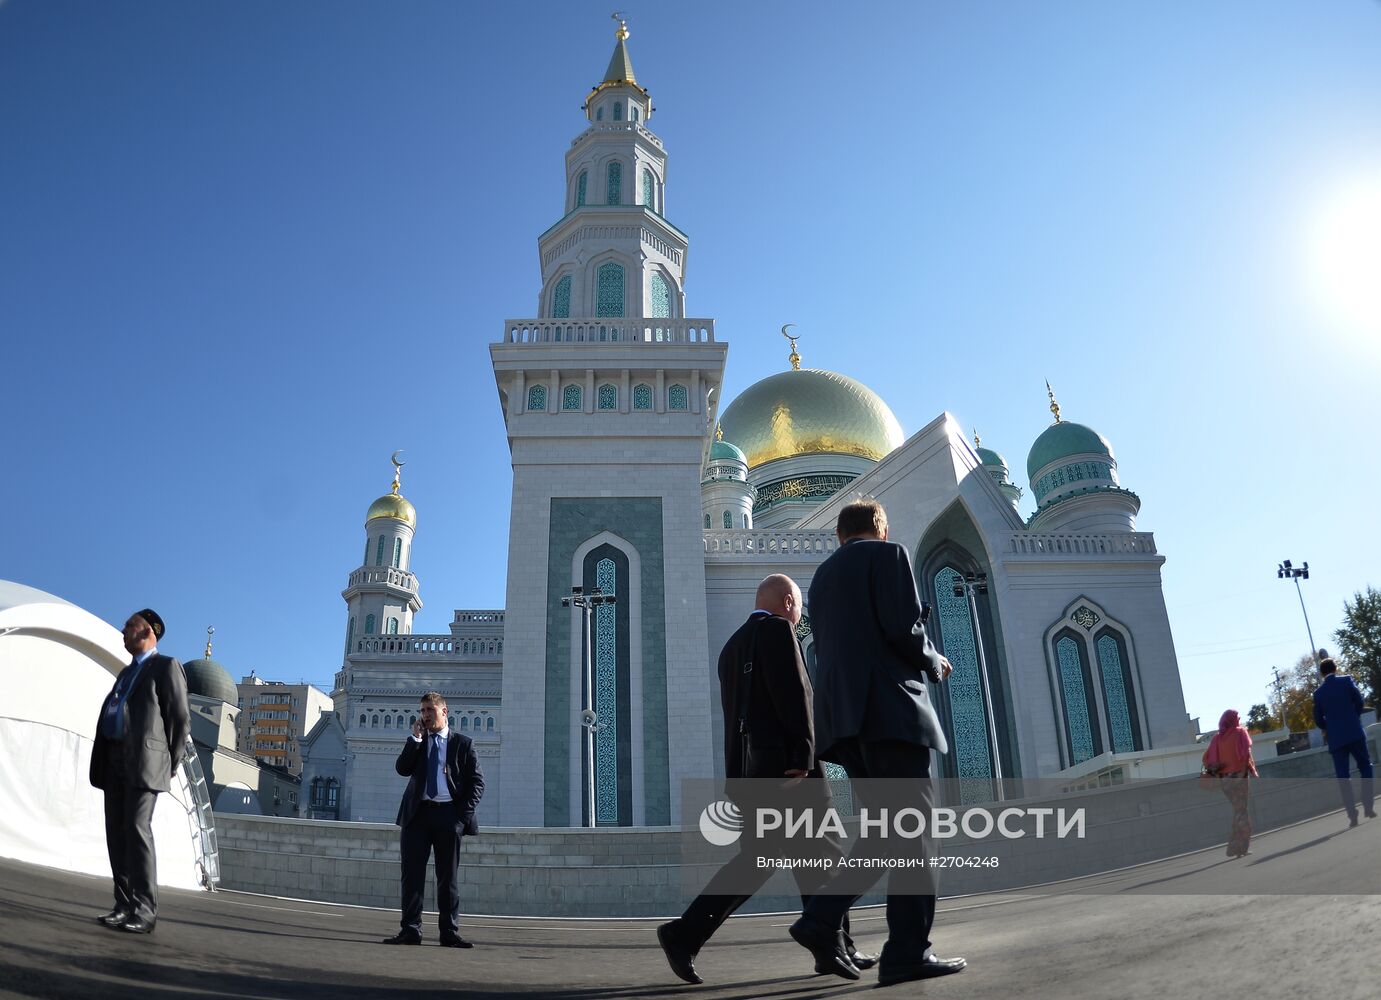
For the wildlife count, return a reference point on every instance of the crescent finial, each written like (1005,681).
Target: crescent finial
(397,469)
(793,357)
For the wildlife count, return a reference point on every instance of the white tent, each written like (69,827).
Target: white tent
(57,663)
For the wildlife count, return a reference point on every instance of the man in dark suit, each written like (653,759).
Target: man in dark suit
(769,740)
(438,808)
(140,739)
(1338,711)
(873,716)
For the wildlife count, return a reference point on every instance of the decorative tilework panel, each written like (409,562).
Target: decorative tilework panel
(1115,693)
(570,397)
(642,397)
(537,397)
(606,702)
(678,398)
(659,304)
(1075,698)
(613,192)
(964,688)
(608,397)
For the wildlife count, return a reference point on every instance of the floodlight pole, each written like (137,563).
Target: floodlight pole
(1287,572)
(588,720)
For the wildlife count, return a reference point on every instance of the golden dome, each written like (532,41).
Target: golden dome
(810,412)
(393,505)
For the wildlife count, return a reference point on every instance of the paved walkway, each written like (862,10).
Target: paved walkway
(1188,927)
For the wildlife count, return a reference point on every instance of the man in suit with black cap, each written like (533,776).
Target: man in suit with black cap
(874,717)
(141,736)
(438,808)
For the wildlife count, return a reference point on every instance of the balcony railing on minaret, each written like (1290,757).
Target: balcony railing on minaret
(604,330)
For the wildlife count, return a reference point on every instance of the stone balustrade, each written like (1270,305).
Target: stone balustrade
(443,645)
(609,330)
(384,574)
(735,544)
(1141,543)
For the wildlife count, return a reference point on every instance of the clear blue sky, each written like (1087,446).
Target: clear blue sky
(249,249)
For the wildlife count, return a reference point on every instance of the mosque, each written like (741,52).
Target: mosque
(629,482)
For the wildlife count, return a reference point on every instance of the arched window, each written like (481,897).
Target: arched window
(537,397)
(580,183)
(464,722)
(379,552)
(393,626)
(570,397)
(618,111)
(659,297)
(369,624)
(608,397)
(964,687)
(412,721)
(1119,694)
(649,190)
(388,721)
(1072,670)
(489,724)
(363,720)
(745,522)
(728,519)
(678,398)
(609,288)
(397,552)
(561,297)
(374,722)
(613,192)
(633,112)
(366,551)
(599,113)
(350,635)
(707,522)
(642,397)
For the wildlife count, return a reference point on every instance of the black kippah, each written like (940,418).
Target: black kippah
(156,623)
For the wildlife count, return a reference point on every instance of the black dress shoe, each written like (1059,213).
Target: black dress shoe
(454,941)
(404,937)
(679,957)
(827,945)
(114,918)
(861,961)
(1371,814)
(136,925)
(929,968)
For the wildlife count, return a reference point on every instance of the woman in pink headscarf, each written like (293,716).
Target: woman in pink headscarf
(1229,757)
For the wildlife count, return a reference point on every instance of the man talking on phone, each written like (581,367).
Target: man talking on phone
(438,808)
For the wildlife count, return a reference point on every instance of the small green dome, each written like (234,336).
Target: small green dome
(989,457)
(210,680)
(725,450)
(1064,440)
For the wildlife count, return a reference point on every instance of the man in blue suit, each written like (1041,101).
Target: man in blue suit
(1338,712)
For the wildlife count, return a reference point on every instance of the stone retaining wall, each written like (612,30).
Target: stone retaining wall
(638,872)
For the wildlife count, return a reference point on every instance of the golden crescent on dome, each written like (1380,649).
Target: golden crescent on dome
(794,357)
(394,459)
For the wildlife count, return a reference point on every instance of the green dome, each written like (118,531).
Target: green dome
(1064,440)
(210,680)
(989,457)
(725,450)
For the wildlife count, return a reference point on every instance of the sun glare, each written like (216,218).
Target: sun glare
(1346,258)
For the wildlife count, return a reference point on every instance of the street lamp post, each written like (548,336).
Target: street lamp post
(977,583)
(1280,688)
(1287,572)
(589,721)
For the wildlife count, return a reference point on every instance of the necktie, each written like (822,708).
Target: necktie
(431,767)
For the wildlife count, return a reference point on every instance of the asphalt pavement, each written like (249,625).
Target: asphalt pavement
(1299,916)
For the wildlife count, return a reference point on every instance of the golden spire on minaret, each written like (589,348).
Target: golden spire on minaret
(718,433)
(1054,406)
(397,470)
(210,631)
(622,33)
(977,442)
(793,357)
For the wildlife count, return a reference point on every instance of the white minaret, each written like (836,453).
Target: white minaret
(381,596)
(613,253)
(726,496)
(608,399)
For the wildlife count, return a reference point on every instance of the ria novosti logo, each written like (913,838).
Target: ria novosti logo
(721,823)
